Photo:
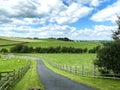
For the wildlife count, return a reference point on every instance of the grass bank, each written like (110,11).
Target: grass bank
(30,80)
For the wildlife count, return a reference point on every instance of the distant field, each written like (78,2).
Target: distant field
(56,43)
(19,39)
(71,59)
(7,42)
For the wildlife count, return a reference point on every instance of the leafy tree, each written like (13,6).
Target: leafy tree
(116,34)
(108,58)
(95,49)
(17,48)
(4,50)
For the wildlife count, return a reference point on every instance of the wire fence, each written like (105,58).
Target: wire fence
(86,71)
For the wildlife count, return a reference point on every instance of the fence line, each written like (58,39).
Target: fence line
(9,78)
(86,71)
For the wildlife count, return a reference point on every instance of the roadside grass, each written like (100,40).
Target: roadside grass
(30,80)
(99,84)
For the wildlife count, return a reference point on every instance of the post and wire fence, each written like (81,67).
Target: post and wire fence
(86,71)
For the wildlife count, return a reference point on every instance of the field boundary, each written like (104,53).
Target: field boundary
(9,78)
(85,71)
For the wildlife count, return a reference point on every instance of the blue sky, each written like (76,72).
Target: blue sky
(75,19)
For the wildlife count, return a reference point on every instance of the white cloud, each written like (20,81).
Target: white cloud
(96,3)
(37,18)
(107,14)
(99,32)
(72,13)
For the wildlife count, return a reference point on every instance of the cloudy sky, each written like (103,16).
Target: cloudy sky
(75,19)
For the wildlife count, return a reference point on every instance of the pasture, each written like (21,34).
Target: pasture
(9,64)
(8,42)
(71,59)
(56,43)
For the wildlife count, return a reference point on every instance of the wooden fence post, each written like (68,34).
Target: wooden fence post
(0,75)
(82,70)
(76,70)
(94,71)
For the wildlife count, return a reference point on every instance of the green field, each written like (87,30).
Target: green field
(71,59)
(7,64)
(56,43)
(9,42)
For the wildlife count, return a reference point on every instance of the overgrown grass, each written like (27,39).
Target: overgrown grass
(99,84)
(30,80)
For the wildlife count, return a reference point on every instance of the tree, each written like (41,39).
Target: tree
(4,50)
(108,57)
(116,34)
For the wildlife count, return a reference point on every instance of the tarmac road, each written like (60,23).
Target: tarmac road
(53,81)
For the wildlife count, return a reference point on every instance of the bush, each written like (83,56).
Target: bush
(4,50)
(95,49)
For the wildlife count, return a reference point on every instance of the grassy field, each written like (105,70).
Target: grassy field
(80,59)
(18,39)
(45,43)
(6,42)
(71,59)
(12,63)
(55,43)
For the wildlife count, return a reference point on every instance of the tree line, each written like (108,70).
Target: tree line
(27,49)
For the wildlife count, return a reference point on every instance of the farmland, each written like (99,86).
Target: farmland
(71,59)
(9,42)
(7,64)
(86,59)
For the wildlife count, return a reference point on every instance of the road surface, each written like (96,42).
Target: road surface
(53,81)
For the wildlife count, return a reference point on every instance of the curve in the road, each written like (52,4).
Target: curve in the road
(53,81)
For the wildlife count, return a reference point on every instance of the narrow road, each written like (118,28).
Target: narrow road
(53,81)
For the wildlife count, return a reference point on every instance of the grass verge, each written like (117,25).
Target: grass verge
(30,80)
